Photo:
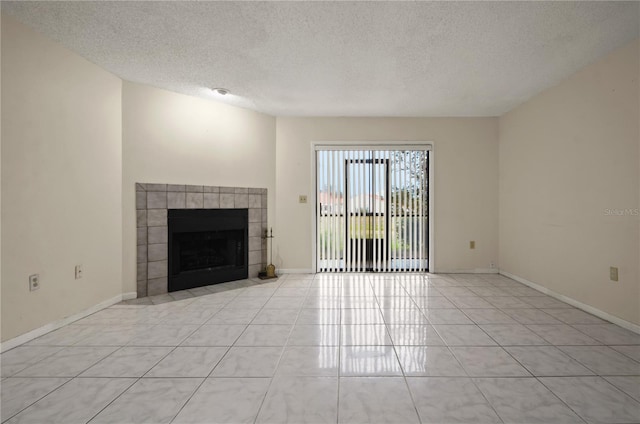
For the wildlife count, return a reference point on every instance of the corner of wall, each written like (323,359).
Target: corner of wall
(569,186)
(61,181)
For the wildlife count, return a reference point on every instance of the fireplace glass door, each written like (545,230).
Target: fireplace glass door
(206,246)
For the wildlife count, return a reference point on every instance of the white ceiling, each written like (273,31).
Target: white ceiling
(342,58)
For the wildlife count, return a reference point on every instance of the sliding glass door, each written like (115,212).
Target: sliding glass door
(372,210)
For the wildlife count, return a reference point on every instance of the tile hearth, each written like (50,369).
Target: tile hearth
(152,203)
(332,348)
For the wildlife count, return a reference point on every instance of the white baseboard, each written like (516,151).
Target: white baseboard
(33,334)
(129,296)
(295,271)
(587,308)
(466,271)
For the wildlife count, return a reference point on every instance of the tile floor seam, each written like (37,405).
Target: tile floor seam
(31,364)
(340,312)
(396,303)
(484,396)
(39,399)
(627,355)
(458,362)
(595,373)
(214,367)
(406,383)
(563,402)
(339,365)
(404,376)
(189,398)
(275,369)
(620,388)
(140,378)
(114,399)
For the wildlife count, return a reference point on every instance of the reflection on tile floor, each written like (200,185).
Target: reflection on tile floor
(334,348)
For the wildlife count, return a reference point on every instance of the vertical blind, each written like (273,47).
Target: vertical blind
(372,209)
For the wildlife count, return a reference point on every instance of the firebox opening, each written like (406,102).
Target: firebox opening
(207,246)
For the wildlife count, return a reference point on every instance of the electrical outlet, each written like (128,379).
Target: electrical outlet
(302,198)
(613,273)
(78,272)
(34,282)
(472,244)
(492,265)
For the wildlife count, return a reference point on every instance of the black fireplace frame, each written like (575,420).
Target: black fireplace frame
(206,220)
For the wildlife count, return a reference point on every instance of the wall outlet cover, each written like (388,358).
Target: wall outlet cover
(78,272)
(34,282)
(613,273)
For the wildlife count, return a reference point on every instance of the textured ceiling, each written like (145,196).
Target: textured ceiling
(342,58)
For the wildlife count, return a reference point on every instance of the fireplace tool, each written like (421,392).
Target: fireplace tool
(271,268)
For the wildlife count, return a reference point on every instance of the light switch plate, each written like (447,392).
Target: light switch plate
(613,273)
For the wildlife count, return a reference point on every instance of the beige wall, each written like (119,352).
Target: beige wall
(466,188)
(566,156)
(75,139)
(177,139)
(61,181)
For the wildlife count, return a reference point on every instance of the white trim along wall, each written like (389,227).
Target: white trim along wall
(590,309)
(33,334)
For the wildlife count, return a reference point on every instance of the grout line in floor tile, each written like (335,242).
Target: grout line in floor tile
(408,297)
(561,401)
(114,399)
(40,398)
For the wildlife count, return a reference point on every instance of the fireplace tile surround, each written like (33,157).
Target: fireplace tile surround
(152,203)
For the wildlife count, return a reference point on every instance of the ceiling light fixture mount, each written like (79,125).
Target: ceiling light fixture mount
(221,91)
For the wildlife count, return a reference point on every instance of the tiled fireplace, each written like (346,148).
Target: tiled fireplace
(152,204)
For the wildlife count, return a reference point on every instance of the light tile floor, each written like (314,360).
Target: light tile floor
(331,348)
